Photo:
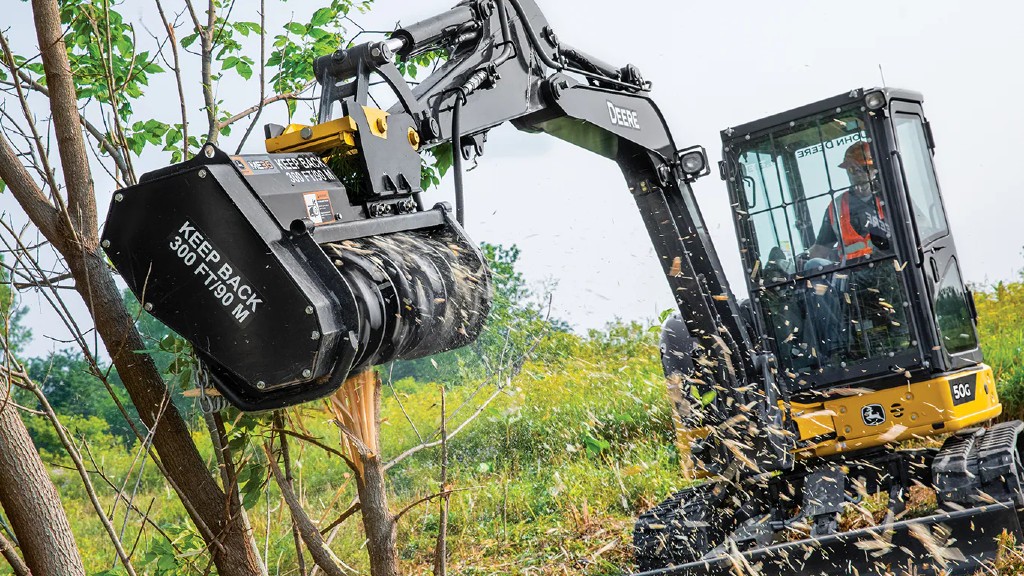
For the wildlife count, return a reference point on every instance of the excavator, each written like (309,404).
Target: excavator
(292,269)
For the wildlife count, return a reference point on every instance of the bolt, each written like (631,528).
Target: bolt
(202,173)
(414,139)
(306,133)
(338,216)
(307,373)
(118,197)
(338,55)
(148,306)
(209,151)
(309,309)
(382,124)
(105,243)
(315,335)
(375,52)
(261,384)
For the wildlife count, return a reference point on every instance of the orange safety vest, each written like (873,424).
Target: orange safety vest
(854,245)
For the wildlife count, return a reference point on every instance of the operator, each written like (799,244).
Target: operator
(859,225)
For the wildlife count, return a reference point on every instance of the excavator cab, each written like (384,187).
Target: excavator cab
(851,267)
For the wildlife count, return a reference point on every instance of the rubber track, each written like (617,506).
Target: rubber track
(683,528)
(980,467)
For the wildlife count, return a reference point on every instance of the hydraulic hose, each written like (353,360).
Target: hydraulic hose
(460,214)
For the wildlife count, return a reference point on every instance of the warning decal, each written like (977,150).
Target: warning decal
(318,207)
(222,281)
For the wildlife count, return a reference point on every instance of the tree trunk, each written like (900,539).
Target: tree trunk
(74,233)
(236,555)
(378,522)
(31,501)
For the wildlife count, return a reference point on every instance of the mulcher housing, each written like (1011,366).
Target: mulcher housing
(282,284)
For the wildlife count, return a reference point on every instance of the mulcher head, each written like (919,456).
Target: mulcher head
(284,285)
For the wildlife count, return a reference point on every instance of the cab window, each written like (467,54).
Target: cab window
(929,216)
(793,183)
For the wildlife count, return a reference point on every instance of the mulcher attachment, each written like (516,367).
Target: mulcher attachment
(284,282)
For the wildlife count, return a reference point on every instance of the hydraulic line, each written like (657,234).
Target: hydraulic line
(460,196)
(474,82)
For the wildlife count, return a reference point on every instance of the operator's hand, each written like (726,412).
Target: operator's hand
(878,230)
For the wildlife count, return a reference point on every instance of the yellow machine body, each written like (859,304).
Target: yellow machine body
(836,425)
(916,410)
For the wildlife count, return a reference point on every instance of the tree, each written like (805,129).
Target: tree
(75,119)
(90,75)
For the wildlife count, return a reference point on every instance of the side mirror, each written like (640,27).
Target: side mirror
(693,162)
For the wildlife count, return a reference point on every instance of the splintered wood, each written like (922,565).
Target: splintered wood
(355,409)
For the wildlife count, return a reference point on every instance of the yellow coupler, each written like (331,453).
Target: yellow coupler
(334,136)
(915,410)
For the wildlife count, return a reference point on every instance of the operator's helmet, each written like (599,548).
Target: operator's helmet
(858,156)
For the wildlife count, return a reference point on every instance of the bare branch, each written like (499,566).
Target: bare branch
(17,564)
(344,516)
(263,80)
(441,494)
(40,148)
(441,549)
(177,78)
(294,95)
(322,555)
(28,194)
(394,461)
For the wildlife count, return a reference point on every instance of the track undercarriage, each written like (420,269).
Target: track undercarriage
(868,513)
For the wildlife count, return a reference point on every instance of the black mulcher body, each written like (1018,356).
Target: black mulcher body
(290,270)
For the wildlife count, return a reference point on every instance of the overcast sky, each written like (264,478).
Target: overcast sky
(716,64)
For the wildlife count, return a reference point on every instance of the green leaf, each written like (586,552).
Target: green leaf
(295,28)
(595,445)
(244,70)
(188,40)
(708,397)
(3,187)
(322,16)
(230,62)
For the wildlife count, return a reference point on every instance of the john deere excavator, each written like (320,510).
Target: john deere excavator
(288,271)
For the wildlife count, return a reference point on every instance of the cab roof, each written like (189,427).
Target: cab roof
(775,120)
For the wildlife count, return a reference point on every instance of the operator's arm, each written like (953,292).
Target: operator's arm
(826,240)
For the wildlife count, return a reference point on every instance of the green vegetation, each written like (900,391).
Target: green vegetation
(1001,328)
(547,477)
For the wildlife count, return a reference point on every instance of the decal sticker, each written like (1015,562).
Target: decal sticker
(623,117)
(222,281)
(873,414)
(318,207)
(963,389)
(255,165)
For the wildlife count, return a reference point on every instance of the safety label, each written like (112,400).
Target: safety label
(221,280)
(302,169)
(318,207)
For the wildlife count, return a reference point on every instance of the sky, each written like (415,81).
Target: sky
(712,65)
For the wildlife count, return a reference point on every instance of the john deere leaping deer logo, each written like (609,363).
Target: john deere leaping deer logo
(873,414)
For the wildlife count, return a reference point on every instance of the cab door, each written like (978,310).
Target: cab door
(946,300)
